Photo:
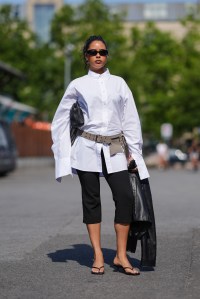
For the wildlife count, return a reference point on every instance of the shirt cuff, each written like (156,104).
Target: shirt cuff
(62,168)
(142,169)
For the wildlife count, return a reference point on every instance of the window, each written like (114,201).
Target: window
(155,11)
(43,14)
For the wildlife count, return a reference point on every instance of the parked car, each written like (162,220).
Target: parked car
(176,155)
(8,152)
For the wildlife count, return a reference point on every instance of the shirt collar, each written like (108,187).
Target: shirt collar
(98,76)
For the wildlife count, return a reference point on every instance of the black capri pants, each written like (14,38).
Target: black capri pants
(121,190)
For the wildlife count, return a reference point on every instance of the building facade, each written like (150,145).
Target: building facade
(39,14)
(166,14)
(154,10)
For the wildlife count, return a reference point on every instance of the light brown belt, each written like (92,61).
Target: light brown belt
(117,143)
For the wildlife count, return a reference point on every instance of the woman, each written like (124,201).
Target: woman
(109,110)
(194,155)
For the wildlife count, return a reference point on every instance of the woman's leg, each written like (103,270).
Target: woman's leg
(121,256)
(94,231)
(123,197)
(121,240)
(92,213)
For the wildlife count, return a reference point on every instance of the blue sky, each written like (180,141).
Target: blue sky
(106,1)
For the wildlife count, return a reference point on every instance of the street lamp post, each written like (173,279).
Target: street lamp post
(68,62)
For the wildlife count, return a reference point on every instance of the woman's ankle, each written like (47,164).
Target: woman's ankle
(98,254)
(121,254)
(121,257)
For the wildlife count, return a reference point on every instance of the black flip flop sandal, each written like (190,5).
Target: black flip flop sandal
(98,273)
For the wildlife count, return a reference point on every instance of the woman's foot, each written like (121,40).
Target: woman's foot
(98,265)
(97,270)
(126,266)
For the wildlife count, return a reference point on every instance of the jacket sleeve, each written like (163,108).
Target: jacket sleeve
(60,130)
(132,131)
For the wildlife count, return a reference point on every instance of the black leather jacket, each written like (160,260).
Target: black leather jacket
(143,226)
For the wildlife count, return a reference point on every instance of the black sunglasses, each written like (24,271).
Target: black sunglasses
(94,52)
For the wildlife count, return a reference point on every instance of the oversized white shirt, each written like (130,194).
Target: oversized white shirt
(109,109)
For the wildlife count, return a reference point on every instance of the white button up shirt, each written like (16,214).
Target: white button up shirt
(109,109)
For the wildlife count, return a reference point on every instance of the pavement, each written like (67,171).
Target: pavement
(45,250)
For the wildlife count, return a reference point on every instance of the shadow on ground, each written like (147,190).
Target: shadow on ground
(83,254)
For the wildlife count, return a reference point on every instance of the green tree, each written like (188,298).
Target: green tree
(16,47)
(41,65)
(155,66)
(162,72)
(91,18)
(63,26)
(187,97)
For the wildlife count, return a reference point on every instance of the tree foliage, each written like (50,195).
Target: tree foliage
(91,18)
(155,63)
(39,64)
(187,96)
(162,72)
(16,44)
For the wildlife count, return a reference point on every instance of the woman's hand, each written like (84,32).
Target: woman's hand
(132,166)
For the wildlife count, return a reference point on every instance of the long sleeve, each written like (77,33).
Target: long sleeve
(60,130)
(132,131)
(108,108)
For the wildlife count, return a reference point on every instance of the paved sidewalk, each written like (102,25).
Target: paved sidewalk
(45,251)
(60,268)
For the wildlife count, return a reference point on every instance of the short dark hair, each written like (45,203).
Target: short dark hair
(87,44)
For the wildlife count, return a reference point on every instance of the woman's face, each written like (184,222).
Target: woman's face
(97,62)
